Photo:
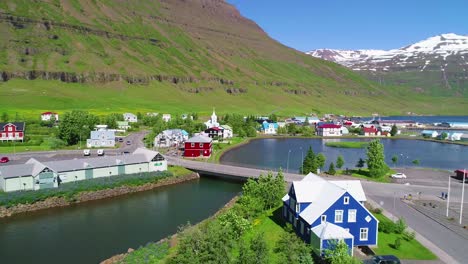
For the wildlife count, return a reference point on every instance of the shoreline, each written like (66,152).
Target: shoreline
(172,239)
(87,196)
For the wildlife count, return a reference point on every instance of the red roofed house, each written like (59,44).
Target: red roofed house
(461,173)
(329,130)
(215,132)
(370,131)
(13,131)
(198,146)
(46,116)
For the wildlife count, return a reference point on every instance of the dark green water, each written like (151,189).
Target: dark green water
(92,232)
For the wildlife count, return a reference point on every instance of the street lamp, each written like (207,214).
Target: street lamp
(287,164)
(302,160)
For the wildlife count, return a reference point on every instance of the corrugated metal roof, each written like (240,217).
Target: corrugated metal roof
(14,171)
(199,139)
(331,231)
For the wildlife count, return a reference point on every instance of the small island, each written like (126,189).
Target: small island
(347,144)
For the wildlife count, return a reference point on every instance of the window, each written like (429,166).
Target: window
(346,200)
(302,228)
(297,208)
(295,222)
(10,128)
(192,145)
(285,211)
(351,215)
(201,145)
(363,234)
(338,216)
(292,204)
(323,218)
(290,217)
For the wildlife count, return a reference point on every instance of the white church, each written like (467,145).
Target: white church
(213,122)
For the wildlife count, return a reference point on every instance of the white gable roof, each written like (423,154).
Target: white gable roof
(322,194)
(354,188)
(331,231)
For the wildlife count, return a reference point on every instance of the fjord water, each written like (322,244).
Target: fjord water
(272,153)
(94,231)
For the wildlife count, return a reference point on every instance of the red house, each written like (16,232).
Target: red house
(198,146)
(12,131)
(461,173)
(370,131)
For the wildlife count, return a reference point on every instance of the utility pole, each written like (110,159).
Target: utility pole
(463,196)
(448,198)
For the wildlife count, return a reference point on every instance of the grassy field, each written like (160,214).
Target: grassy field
(220,148)
(347,144)
(408,250)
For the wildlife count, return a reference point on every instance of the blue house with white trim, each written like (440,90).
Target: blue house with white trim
(323,211)
(269,128)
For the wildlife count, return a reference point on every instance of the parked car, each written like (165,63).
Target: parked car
(4,160)
(126,152)
(120,139)
(129,142)
(86,152)
(100,152)
(399,175)
(387,259)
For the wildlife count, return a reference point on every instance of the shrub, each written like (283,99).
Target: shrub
(397,243)
(408,236)
(387,227)
(400,226)
(377,210)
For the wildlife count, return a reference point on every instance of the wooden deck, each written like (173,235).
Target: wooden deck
(226,171)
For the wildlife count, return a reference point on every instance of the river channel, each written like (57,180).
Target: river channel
(94,231)
(288,153)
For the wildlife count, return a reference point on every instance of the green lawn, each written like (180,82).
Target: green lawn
(268,225)
(220,148)
(347,144)
(364,174)
(178,171)
(408,250)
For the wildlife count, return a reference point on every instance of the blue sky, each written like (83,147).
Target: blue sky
(355,24)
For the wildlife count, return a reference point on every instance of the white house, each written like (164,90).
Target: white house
(429,133)
(213,122)
(454,136)
(46,116)
(101,138)
(269,128)
(35,175)
(321,211)
(329,130)
(170,137)
(123,125)
(166,117)
(227,131)
(130,117)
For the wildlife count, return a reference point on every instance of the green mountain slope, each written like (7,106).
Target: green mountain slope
(172,56)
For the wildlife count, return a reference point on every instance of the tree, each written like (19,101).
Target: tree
(444,135)
(259,249)
(376,159)
(394,130)
(416,162)
(331,169)
(292,128)
(310,163)
(360,163)
(320,160)
(338,253)
(291,249)
(394,160)
(339,162)
(269,189)
(76,125)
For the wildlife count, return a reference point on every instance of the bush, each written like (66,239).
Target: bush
(400,226)
(409,236)
(397,243)
(387,227)
(377,210)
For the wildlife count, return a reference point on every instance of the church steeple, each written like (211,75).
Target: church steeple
(214,118)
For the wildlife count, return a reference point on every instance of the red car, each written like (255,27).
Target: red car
(4,160)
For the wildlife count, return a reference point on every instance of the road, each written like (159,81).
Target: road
(135,139)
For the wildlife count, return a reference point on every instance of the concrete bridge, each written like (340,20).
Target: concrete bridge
(226,171)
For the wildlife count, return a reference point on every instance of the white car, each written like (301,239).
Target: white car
(399,175)
(100,152)
(86,152)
